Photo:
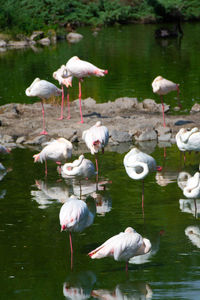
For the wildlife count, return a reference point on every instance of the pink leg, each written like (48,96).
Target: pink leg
(143,197)
(195,209)
(164,152)
(70,240)
(62,104)
(80,100)
(97,169)
(44,131)
(68,106)
(163,110)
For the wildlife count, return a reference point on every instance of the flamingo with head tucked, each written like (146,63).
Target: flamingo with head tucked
(162,86)
(79,68)
(62,76)
(56,150)
(44,90)
(123,246)
(96,138)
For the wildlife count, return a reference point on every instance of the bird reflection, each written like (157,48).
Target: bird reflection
(131,290)
(79,286)
(193,233)
(3,171)
(163,178)
(50,191)
(103,202)
(191,206)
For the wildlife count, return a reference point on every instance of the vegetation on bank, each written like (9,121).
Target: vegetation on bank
(28,15)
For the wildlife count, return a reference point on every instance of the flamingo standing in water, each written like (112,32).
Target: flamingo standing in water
(44,90)
(81,168)
(56,150)
(75,216)
(162,86)
(96,138)
(63,79)
(138,165)
(123,246)
(80,69)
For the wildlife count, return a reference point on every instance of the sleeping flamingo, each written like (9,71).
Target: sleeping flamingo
(138,165)
(63,79)
(75,216)
(80,69)
(123,246)
(162,86)
(44,90)
(96,138)
(56,150)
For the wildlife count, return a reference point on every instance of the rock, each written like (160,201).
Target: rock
(45,41)
(146,135)
(182,122)
(3,44)
(2,49)
(166,107)
(162,130)
(120,136)
(17,44)
(126,102)
(37,35)
(7,139)
(164,137)
(195,108)
(74,37)
(20,140)
(38,140)
(150,105)
(88,102)
(177,108)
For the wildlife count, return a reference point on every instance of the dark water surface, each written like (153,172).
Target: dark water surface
(131,54)
(35,255)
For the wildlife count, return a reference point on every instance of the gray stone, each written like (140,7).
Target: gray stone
(195,108)
(45,41)
(120,136)
(74,37)
(126,102)
(150,105)
(3,44)
(147,135)
(18,44)
(166,107)
(37,35)
(165,137)
(7,139)
(38,140)
(162,130)
(20,140)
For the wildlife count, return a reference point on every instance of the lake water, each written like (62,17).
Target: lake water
(34,254)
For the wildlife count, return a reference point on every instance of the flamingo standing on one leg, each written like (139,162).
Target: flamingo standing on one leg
(80,69)
(123,246)
(75,216)
(96,138)
(57,150)
(138,165)
(44,90)
(162,86)
(63,79)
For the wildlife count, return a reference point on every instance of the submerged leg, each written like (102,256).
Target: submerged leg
(70,240)
(44,130)
(80,101)
(45,168)
(163,110)
(97,169)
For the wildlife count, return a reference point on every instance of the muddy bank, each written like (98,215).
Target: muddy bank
(127,119)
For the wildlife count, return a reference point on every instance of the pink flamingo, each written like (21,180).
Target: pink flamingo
(75,216)
(44,90)
(162,86)
(63,79)
(80,69)
(123,246)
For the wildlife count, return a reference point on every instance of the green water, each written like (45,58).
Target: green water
(131,54)
(35,255)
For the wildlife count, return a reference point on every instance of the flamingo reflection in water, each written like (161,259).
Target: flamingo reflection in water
(193,233)
(123,246)
(138,165)
(75,217)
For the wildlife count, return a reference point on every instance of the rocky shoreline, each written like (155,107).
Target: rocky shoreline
(128,121)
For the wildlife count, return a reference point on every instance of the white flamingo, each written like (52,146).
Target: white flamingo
(138,165)
(75,216)
(162,86)
(192,187)
(96,138)
(44,90)
(56,150)
(80,69)
(62,76)
(123,246)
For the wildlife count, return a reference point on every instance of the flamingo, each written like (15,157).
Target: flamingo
(123,246)
(138,165)
(44,90)
(80,69)
(192,187)
(96,138)
(188,140)
(56,150)
(63,79)
(75,216)
(193,233)
(162,86)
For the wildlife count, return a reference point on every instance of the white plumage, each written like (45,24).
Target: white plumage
(62,76)
(188,140)
(162,86)
(123,246)
(138,164)
(193,233)
(80,167)
(96,137)
(42,89)
(192,187)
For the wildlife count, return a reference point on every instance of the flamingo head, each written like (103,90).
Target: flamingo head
(105,72)
(159,168)
(63,227)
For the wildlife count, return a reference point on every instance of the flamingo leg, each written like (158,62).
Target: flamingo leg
(70,240)
(126,267)
(44,132)
(143,197)
(62,104)
(80,101)
(97,168)
(164,154)
(163,110)
(195,208)
(45,168)
(68,106)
